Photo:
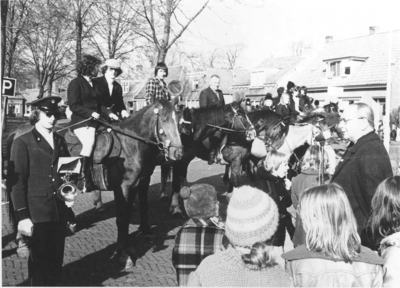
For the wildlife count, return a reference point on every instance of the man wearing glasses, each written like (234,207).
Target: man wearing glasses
(364,165)
(33,181)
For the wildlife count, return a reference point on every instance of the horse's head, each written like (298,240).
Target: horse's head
(166,129)
(237,120)
(332,107)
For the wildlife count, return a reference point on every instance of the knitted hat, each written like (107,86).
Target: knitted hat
(252,217)
(199,200)
(268,96)
(289,85)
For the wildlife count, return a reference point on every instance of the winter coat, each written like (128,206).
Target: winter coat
(113,102)
(362,168)
(313,269)
(209,98)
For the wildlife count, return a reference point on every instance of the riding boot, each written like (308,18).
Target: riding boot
(86,175)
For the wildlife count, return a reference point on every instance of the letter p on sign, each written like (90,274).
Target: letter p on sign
(8,86)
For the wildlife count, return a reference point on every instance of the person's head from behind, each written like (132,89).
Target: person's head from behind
(252,219)
(357,120)
(161,70)
(276,163)
(268,100)
(280,91)
(214,82)
(329,222)
(316,103)
(88,66)
(200,201)
(385,216)
(313,158)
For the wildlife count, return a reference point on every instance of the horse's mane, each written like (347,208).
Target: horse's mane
(208,115)
(330,119)
(165,113)
(273,123)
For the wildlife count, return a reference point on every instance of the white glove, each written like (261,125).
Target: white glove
(95,115)
(25,227)
(124,114)
(69,203)
(113,117)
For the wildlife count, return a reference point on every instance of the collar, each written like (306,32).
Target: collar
(205,222)
(371,136)
(366,255)
(44,132)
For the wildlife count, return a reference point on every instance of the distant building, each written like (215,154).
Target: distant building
(355,70)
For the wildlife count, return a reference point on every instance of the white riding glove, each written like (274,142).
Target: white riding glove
(124,114)
(288,184)
(96,115)
(113,117)
(25,227)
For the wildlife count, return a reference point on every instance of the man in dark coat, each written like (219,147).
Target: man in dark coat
(110,90)
(364,165)
(33,181)
(213,97)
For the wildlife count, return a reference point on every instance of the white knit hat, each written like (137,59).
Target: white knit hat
(252,217)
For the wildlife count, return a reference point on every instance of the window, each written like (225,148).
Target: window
(130,104)
(125,86)
(195,84)
(347,70)
(334,69)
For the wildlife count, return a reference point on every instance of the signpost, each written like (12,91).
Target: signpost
(8,87)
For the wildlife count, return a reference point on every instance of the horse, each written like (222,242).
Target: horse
(137,143)
(270,127)
(197,125)
(331,107)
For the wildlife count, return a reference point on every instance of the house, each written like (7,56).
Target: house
(355,70)
(134,91)
(267,77)
(229,79)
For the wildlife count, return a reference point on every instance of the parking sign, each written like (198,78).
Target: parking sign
(8,86)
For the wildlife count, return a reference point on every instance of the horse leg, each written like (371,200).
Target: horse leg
(123,205)
(142,189)
(178,180)
(226,175)
(97,201)
(235,173)
(165,171)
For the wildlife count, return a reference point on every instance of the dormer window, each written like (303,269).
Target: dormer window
(343,67)
(195,84)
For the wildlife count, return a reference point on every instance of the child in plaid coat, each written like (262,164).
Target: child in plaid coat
(202,235)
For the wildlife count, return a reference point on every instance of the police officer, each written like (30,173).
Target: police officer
(34,181)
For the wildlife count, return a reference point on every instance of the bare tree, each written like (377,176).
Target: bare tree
(114,36)
(50,46)
(161,20)
(233,52)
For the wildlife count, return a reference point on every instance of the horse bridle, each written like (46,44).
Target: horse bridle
(268,142)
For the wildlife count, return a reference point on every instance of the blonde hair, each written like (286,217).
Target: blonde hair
(329,222)
(281,100)
(274,159)
(312,158)
(261,255)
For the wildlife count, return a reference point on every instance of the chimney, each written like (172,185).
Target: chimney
(373,30)
(328,39)
(139,68)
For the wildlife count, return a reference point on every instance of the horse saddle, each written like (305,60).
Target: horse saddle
(107,149)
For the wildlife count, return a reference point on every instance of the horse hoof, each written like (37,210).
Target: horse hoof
(100,207)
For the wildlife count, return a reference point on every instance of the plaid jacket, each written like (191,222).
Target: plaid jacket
(156,88)
(196,240)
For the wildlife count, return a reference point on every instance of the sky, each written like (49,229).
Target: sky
(269,27)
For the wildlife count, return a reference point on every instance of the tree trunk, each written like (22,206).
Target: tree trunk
(4,9)
(162,54)
(79,30)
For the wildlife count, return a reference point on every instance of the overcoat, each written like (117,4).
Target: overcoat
(208,98)
(363,166)
(83,100)
(113,102)
(33,177)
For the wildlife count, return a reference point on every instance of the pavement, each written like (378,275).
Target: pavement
(87,253)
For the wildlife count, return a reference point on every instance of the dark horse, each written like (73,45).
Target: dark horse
(130,163)
(270,127)
(195,127)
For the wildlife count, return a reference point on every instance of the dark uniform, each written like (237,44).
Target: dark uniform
(34,180)
(113,102)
